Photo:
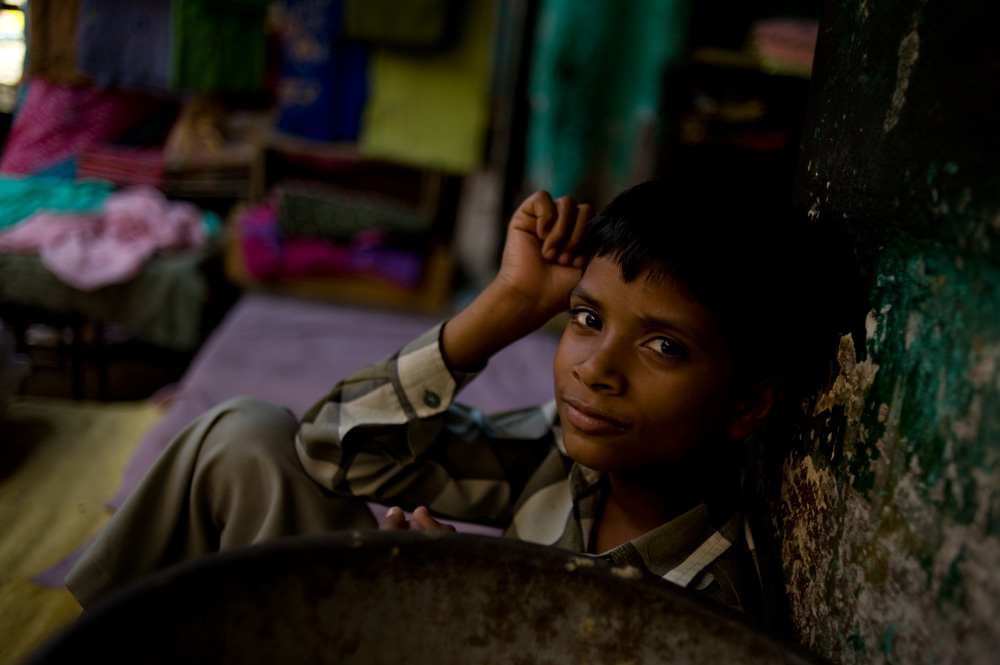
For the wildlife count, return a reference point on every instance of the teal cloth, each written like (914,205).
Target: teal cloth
(212,223)
(22,197)
(594,90)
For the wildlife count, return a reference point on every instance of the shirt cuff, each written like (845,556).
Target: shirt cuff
(424,377)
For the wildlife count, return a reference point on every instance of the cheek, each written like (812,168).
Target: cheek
(709,406)
(569,352)
(696,402)
(560,366)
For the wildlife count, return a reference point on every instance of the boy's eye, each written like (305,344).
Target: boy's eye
(585,318)
(667,347)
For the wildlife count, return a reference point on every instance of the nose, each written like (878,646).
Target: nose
(600,368)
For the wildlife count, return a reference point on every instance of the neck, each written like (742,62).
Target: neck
(638,503)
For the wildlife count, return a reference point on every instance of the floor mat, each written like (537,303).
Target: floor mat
(59,462)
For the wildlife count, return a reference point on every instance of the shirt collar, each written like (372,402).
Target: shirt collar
(679,551)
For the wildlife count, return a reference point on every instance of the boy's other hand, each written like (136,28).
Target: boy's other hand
(395,520)
(540,261)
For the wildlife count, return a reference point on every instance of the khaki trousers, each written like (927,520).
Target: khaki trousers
(231,478)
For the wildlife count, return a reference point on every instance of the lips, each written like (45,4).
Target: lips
(590,419)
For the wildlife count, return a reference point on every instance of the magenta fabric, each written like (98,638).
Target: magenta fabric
(57,122)
(93,250)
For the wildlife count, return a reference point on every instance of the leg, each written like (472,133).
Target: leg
(231,478)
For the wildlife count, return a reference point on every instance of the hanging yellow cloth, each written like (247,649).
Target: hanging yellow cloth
(432,111)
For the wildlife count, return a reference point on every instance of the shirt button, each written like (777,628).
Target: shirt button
(432,399)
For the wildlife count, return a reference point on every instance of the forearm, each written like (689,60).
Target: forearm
(540,266)
(498,317)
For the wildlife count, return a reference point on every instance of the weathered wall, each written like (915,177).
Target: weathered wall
(887,507)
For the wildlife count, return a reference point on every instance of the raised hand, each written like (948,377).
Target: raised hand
(539,259)
(539,268)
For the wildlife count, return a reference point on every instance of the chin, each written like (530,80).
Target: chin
(599,456)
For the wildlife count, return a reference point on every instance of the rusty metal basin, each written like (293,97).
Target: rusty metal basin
(402,597)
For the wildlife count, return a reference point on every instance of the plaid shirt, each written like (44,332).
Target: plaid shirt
(391,433)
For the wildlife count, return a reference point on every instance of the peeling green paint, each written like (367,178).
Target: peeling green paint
(855,640)
(951,585)
(886,504)
(887,638)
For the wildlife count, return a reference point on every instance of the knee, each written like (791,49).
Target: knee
(248,428)
(251,414)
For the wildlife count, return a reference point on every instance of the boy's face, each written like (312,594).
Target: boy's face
(643,377)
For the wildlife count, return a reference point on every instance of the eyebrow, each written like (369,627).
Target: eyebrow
(693,334)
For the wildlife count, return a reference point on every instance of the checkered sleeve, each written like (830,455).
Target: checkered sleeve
(391,432)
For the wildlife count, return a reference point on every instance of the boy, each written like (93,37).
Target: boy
(661,371)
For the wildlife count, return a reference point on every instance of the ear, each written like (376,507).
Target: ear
(756,404)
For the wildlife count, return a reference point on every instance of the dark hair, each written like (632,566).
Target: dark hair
(735,251)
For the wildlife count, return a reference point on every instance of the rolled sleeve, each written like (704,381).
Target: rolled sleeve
(386,411)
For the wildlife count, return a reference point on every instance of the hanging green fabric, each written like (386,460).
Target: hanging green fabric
(594,89)
(219,45)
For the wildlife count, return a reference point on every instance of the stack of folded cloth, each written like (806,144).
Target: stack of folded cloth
(785,45)
(311,230)
(225,175)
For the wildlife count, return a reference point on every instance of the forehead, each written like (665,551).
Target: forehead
(649,302)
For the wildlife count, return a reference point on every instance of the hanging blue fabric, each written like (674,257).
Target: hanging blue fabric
(323,85)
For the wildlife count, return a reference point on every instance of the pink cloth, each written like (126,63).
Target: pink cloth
(57,122)
(93,250)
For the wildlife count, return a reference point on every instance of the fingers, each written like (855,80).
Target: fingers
(422,520)
(395,520)
(562,229)
(584,213)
